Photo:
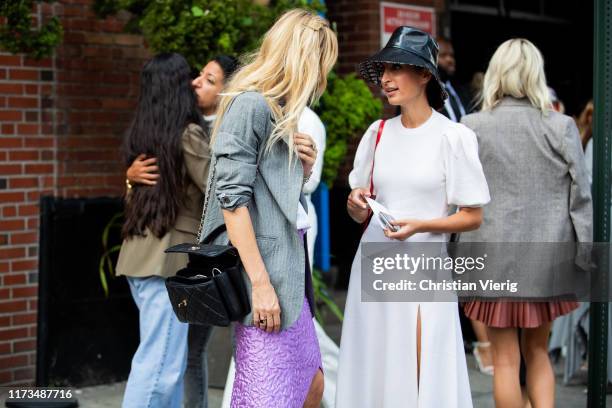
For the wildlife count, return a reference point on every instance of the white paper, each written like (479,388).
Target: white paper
(377,208)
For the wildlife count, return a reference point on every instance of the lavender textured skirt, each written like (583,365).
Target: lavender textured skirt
(275,370)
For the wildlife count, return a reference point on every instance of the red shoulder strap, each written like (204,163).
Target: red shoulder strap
(378,135)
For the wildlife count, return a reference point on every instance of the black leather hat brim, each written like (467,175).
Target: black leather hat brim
(372,69)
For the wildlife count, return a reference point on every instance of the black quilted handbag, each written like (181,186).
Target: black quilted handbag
(210,290)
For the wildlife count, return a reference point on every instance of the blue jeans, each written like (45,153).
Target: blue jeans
(156,376)
(196,376)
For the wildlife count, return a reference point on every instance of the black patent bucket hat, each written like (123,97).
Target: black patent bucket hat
(410,46)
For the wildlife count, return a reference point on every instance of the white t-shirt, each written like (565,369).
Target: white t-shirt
(420,171)
(311,125)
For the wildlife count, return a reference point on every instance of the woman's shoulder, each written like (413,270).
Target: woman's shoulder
(459,138)
(193,131)
(558,120)
(376,124)
(371,131)
(455,131)
(250,101)
(475,119)
(561,131)
(195,140)
(194,128)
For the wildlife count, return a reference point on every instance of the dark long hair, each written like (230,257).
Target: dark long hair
(166,106)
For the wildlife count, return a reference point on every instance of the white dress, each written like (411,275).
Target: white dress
(418,173)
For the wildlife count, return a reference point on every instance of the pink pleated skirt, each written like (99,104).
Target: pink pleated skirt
(504,314)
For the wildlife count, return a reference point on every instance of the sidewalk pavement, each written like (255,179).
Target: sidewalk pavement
(110,395)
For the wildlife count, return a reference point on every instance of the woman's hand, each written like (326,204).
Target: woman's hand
(356,204)
(143,171)
(408,228)
(266,308)
(307,151)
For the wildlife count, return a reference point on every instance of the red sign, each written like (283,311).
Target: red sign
(393,15)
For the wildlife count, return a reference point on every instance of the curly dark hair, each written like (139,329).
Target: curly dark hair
(166,106)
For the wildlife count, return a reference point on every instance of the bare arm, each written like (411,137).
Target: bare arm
(143,170)
(242,236)
(466,219)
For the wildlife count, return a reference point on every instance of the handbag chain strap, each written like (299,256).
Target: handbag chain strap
(206,197)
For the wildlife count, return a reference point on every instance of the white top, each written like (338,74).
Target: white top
(420,171)
(310,124)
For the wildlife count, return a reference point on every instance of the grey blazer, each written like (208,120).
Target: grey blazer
(245,174)
(536,173)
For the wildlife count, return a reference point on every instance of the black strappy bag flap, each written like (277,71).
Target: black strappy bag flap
(210,290)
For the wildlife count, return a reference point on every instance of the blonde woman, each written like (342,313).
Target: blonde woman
(533,160)
(259,166)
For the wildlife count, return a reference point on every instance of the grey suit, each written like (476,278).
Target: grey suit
(245,174)
(537,177)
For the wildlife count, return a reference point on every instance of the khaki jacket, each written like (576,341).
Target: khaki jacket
(144,256)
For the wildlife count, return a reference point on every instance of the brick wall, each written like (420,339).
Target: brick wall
(61,120)
(27,169)
(358,25)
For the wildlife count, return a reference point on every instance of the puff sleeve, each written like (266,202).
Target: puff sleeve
(364,157)
(466,185)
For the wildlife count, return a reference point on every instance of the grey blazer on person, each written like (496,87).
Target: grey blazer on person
(534,165)
(245,174)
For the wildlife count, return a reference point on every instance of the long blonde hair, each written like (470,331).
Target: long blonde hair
(290,70)
(516,69)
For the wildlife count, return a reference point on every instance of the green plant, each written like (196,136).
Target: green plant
(17,35)
(105,266)
(323,297)
(201,29)
(346,108)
